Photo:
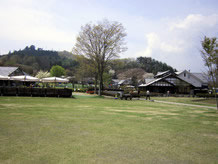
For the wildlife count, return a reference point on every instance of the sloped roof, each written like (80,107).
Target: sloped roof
(198,76)
(201,76)
(148,80)
(121,82)
(151,82)
(6,71)
(179,72)
(161,74)
(161,78)
(115,80)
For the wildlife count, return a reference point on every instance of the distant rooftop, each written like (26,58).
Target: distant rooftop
(201,76)
(6,71)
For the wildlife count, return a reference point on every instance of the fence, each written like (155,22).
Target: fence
(35,92)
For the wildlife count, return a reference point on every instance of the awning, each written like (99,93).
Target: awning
(4,77)
(54,80)
(24,78)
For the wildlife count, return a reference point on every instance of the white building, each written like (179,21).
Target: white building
(198,80)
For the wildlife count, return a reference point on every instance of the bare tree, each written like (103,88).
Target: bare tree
(100,43)
(210,57)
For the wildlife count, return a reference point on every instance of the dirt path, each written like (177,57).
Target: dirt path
(158,101)
(199,106)
(83,94)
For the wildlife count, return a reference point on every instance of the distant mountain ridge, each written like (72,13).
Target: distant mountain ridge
(31,60)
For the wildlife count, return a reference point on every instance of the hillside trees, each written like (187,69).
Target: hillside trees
(57,71)
(32,60)
(100,43)
(152,65)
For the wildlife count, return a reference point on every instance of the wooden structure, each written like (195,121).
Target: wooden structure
(35,92)
(167,81)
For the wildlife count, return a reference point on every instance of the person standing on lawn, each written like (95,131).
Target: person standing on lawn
(147,95)
(168,93)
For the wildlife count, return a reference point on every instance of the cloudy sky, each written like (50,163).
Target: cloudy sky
(166,30)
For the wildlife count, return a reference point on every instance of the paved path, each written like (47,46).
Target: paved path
(199,106)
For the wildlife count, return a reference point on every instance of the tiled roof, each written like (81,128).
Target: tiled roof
(6,71)
(161,73)
(151,82)
(148,80)
(201,76)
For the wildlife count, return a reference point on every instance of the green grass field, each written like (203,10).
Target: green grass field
(89,129)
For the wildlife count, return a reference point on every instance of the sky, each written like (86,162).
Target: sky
(169,31)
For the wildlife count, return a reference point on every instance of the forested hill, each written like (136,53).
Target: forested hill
(146,63)
(31,60)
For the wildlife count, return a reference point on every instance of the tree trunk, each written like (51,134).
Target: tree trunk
(73,84)
(100,83)
(82,84)
(96,81)
(214,86)
(216,82)
(216,100)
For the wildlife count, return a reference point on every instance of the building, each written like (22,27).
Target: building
(6,72)
(11,71)
(167,81)
(198,80)
(176,82)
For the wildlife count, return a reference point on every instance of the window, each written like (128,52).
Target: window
(184,74)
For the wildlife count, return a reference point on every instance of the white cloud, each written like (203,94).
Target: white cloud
(177,42)
(27,23)
(155,42)
(24,24)
(196,21)
(171,48)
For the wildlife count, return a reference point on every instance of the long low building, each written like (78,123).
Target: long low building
(180,82)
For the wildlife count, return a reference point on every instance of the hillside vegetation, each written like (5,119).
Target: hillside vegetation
(31,60)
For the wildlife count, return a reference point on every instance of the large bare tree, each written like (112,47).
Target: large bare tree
(100,43)
(210,57)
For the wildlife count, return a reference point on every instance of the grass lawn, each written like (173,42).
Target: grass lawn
(99,130)
(188,100)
